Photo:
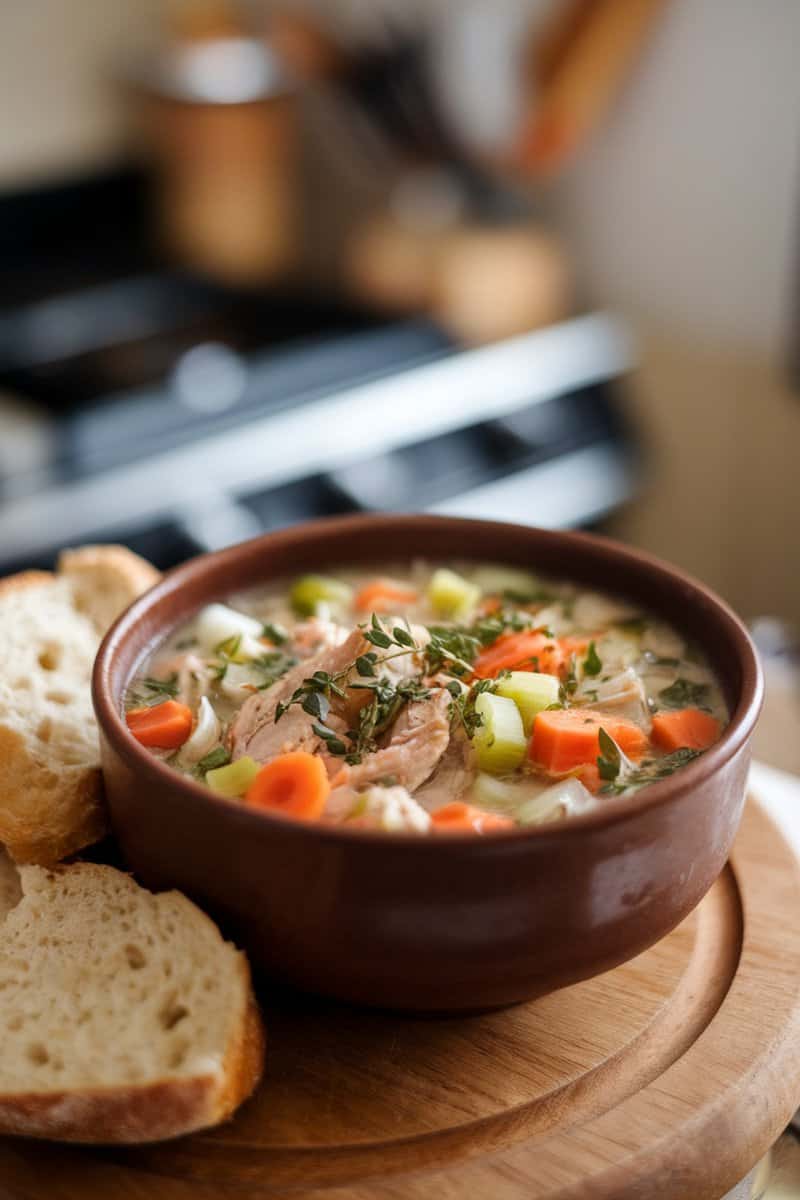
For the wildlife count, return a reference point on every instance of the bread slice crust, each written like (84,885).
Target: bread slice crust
(151,1112)
(160,1108)
(51,805)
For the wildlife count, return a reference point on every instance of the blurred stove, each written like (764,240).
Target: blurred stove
(153,407)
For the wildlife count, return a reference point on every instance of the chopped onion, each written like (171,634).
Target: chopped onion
(205,734)
(617,650)
(563,799)
(216,623)
(239,681)
(553,617)
(623,694)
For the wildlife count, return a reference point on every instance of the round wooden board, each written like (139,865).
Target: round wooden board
(664,1079)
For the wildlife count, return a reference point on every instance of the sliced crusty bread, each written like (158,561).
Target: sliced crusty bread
(104,580)
(126,1017)
(50,788)
(10,886)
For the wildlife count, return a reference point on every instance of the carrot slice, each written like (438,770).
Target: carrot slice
(295,784)
(589,776)
(529,651)
(565,738)
(489,605)
(382,595)
(458,817)
(165,726)
(686,727)
(574,644)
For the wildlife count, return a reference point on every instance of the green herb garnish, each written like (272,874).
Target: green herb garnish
(683,694)
(274,633)
(156,692)
(650,770)
(227,652)
(454,648)
(218,757)
(331,738)
(462,705)
(592,664)
(570,685)
(380,712)
(609,761)
(272,666)
(315,692)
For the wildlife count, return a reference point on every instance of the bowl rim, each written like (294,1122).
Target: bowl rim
(615,810)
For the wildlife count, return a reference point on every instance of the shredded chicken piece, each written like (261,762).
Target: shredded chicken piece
(389,808)
(412,747)
(454,774)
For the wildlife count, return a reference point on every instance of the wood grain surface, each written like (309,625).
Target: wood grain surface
(665,1079)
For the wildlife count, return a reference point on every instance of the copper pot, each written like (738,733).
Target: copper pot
(218,121)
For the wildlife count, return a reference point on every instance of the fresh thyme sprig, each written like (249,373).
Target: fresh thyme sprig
(454,648)
(462,705)
(315,692)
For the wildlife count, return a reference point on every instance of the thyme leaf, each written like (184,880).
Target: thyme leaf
(330,738)
(570,685)
(609,761)
(275,633)
(462,706)
(592,664)
(272,666)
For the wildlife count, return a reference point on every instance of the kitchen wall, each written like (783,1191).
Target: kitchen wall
(685,213)
(61,110)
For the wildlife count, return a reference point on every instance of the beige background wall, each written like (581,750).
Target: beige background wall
(685,213)
(60,111)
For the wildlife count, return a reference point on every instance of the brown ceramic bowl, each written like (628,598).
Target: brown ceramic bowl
(457,922)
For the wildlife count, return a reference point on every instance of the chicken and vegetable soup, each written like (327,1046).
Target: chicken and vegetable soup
(429,699)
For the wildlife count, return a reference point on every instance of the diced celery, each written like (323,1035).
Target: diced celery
(311,592)
(531,692)
(565,797)
(496,795)
(499,742)
(235,779)
(498,580)
(451,595)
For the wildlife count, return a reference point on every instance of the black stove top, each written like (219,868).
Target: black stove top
(149,405)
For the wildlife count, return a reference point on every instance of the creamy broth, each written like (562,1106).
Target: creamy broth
(430,699)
